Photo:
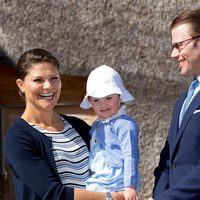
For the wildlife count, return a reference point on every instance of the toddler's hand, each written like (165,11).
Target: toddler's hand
(130,194)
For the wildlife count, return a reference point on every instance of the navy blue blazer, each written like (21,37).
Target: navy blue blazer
(177,176)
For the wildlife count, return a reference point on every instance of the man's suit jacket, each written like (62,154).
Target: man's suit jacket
(177,176)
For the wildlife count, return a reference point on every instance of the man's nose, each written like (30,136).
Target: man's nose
(174,53)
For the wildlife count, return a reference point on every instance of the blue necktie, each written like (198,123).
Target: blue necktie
(191,89)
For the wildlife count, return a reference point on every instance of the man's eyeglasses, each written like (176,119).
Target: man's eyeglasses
(181,45)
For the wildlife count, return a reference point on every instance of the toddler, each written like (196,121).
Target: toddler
(114,152)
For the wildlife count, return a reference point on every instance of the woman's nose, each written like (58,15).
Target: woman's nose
(47,84)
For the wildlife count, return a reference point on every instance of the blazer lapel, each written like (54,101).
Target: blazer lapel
(192,107)
(174,127)
(177,112)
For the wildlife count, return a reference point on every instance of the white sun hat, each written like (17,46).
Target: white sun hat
(102,82)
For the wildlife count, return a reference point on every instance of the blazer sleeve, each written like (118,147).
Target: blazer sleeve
(188,188)
(161,172)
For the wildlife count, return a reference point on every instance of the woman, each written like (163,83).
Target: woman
(47,152)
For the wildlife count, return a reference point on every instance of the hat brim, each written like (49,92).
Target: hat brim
(85,104)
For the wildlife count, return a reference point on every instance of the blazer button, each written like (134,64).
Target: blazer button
(173,165)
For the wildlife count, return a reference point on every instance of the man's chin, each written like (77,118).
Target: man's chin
(183,73)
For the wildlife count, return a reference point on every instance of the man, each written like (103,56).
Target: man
(177,176)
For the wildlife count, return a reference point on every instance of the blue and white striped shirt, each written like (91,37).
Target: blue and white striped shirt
(70,154)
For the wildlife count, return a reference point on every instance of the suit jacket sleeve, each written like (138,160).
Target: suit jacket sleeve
(161,172)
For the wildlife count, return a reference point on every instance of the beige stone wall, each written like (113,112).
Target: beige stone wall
(130,35)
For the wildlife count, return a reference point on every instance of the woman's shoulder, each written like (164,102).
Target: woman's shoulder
(20,129)
(17,125)
(19,133)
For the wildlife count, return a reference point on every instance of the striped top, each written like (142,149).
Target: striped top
(70,154)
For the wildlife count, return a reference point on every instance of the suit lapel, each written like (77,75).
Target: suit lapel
(192,107)
(174,127)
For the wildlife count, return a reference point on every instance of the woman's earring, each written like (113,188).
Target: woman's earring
(21,93)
